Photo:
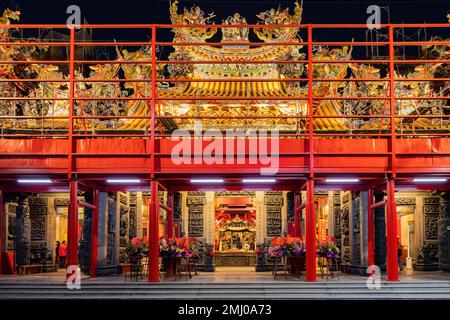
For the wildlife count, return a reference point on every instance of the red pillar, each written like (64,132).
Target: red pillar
(170,204)
(153,234)
(1,230)
(72,228)
(310,232)
(391,230)
(94,235)
(370,229)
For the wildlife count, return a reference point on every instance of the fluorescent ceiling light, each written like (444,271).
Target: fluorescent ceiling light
(341,180)
(259,180)
(430,180)
(123,181)
(207,181)
(34,181)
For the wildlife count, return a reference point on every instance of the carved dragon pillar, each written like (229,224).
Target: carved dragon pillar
(85,242)
(444,232)
(380,232)
(23,238)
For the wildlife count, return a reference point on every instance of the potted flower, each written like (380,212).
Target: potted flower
(327,250)
(136,250)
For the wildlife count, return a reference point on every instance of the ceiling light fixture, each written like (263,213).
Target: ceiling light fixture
(120,181)
(259,181)
(343,180)
(207,181)
(34,181)
(430,180)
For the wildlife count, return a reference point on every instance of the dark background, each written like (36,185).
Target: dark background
(156,11)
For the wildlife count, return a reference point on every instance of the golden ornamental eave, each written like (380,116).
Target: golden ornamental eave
(219,99)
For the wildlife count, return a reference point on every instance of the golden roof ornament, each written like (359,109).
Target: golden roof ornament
(279,17)
(235,34)
(192,16)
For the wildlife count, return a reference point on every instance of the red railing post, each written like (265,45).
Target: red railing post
(94,235)
(310,102)
(370,229)
(72,228)
(392,100)
(153,234)
(153,105)
(71,142)
(391,230)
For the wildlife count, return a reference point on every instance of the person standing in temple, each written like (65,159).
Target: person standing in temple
(57,254)
(62,253)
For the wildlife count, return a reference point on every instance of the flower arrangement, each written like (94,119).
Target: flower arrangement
(177,247)
(286,246)
(137,249)
(276,251)
(327,249)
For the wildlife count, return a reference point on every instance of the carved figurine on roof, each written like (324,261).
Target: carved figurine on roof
(235,34)
(193,16)
(279,17)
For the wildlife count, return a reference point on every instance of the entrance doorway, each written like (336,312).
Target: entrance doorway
(235,231)
(406,236)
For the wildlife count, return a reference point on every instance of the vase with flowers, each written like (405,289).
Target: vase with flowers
(136,250)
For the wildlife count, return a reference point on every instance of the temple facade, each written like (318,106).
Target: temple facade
(233,134)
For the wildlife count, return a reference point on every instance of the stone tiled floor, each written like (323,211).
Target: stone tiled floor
(227,275)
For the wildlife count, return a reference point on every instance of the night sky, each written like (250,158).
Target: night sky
(156,11)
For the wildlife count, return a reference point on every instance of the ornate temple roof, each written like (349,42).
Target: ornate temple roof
(227,81)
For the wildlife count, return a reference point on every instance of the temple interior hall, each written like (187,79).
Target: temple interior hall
(231,224)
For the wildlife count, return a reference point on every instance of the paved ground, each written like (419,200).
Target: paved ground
(226,284)
(228,275)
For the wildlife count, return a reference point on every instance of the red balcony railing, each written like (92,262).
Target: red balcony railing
(318,101)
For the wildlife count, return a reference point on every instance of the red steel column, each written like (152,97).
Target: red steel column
(391,230)
(1,230)
(310,208)
(94,235)
(72,228)
(392,100)
(310,232)
(153,234)
(370,229)
(170,204)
